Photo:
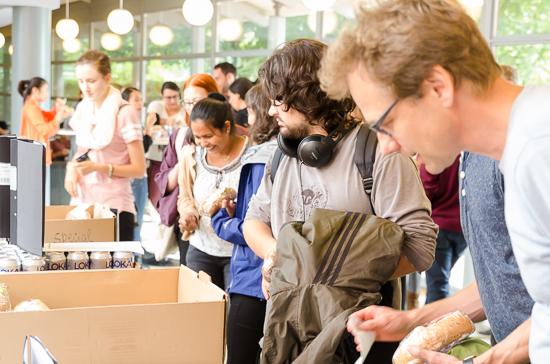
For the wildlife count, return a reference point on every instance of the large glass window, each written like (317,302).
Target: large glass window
(64,83)
(125,74)
(5,110)
(518,17)
(297,27)
(6,51)
(532,61)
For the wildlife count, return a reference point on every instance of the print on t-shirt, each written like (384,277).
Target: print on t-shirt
(309,198)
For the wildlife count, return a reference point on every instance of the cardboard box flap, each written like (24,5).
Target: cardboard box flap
(94,288)
(193,287)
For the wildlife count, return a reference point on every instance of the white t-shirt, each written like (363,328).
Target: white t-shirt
(525,165)
(159,107)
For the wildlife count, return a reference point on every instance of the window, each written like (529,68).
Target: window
(297,27)
(531,60)
(71,50)
(114,45)
(64,83)
(519,17)
(125,74)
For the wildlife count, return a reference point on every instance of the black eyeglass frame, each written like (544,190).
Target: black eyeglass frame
(376,127)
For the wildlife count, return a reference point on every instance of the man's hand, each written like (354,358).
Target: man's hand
(433,357)
(387,323)
(229,206)
(188,222)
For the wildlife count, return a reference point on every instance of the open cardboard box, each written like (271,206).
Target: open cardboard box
(102,227)
(118,316)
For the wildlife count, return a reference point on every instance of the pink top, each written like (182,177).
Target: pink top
(114,191)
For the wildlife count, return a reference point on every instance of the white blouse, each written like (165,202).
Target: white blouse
(207,181)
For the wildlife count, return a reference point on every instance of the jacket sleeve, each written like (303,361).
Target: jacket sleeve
(186,200)
(49,115)
(231,229)
(398,196)
(259,207)
(429,181)
(44,127)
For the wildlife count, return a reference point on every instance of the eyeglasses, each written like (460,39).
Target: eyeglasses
(189,104)
(376,126)
(175,97)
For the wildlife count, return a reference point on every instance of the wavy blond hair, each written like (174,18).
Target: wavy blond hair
(400,41)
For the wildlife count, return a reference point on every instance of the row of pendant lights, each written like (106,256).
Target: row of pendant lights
(196,12)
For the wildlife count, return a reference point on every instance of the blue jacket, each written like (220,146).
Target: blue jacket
(246,266)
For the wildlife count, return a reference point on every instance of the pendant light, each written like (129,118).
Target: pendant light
(230,30)
(10,49)
(160,34)
(72,45)
(198,12)
(110,41)
(120,21)
(330,22)
(67,28)
(3,41)
(318,5)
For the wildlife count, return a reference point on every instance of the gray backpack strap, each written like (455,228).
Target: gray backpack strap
(365,154)
(277,158)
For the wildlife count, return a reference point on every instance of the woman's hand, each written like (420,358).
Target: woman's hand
(72,180)
(59,103)
(229,206)
(188,222)
(150,121)
(87,167)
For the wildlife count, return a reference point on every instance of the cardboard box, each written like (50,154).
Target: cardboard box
(59,230)
(118,316)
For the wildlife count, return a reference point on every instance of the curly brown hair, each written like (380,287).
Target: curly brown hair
(266,127)
(289,76)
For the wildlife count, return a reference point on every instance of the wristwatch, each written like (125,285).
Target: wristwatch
(469,360)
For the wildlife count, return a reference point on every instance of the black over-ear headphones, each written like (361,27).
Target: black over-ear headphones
(314,150)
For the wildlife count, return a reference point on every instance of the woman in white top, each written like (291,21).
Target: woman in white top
(169,109)
(212,162)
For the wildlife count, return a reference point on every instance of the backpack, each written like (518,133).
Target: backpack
(365,154)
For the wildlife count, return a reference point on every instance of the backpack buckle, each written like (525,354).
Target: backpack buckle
(367,185)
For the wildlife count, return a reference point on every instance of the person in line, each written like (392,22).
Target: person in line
(109,131)
(139,185)
(37,124)
(237,100)
(61,148)
(196,88)
(211,162)
(246,315)
(169,114)
(224,74)
(424,99)
(442,191)
(302,109)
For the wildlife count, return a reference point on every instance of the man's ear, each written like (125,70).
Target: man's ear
(230,78)
(441,84)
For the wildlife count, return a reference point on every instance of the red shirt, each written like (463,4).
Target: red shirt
(442,191)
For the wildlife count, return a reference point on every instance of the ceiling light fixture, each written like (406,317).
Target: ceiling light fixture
(67,28)
(197,12)
(120,21)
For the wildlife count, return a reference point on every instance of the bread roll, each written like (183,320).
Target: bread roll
(213,203)
(439,335)
(4,298)
(268,266)
(31,305)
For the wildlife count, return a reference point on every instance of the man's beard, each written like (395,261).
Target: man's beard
(297,132)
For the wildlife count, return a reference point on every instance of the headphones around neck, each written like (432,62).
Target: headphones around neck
(314,150)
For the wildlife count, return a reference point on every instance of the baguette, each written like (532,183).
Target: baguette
(442,334)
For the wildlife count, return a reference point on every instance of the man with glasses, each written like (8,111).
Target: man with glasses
(302,109)
(431,55)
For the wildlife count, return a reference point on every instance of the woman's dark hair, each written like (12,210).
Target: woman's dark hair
(265,127)
(241,86)
(25,87)
(127,92)
(289,76)
(214,111)
(169,85)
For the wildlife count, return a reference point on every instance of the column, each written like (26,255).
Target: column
(276,32)
(198,45)
(31,38)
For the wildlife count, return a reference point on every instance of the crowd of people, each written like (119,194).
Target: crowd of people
(412,145)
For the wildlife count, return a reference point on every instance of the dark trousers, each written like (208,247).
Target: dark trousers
(216,267)
(245,324)
(450,247)
(126,226)
(183,245)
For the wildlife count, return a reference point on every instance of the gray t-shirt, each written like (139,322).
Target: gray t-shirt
(397,195)
(525,165)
